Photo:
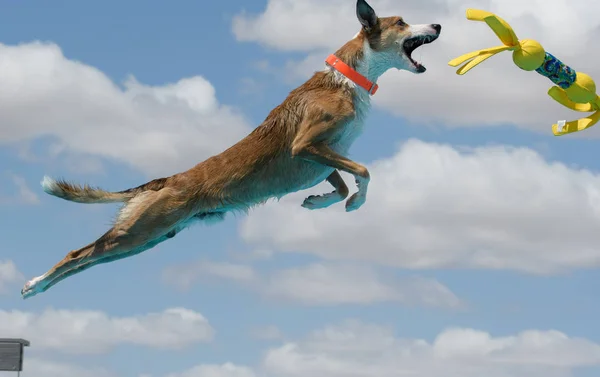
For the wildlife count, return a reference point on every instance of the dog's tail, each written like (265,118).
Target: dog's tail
(86,194)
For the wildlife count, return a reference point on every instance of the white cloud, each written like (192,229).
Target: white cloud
(214,370)
(185,275)
(41,367)
(479,98)
(156,129)
(94,332)
(357,349)
(9,275)
(22,192)
(24,195)
(270,332)
(33,367)
(436,206)
(320,284)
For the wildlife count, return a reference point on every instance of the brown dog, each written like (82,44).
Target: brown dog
(301,143)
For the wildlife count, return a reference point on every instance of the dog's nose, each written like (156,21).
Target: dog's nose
(437,28)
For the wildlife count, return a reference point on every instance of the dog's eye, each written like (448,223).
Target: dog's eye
(401,23)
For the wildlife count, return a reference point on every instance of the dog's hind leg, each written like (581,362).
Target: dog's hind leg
(93,262)
(339,193)
(146,221)
(207,218)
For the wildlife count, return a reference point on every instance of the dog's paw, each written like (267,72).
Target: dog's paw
(33,287)
(355,201)
(322,201)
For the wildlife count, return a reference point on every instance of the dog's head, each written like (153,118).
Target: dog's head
(393,40)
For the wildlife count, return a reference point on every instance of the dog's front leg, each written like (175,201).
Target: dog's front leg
(323,154)
(320,126)
(325,200)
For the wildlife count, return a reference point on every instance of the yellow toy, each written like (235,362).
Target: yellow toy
(575,90)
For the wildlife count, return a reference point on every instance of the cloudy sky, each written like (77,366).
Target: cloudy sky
(475,254)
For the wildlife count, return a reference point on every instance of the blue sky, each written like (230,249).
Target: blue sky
(495,277)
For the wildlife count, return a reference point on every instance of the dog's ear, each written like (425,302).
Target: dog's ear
(366,15)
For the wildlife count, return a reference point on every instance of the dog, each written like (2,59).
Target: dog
(301,143)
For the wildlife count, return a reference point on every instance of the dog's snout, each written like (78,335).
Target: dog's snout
(437,27)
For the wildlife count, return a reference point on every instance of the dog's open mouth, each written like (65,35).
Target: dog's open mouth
(412,43)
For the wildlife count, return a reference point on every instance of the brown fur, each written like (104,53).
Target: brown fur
(291,150)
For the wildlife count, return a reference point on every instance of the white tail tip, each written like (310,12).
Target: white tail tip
(50,186)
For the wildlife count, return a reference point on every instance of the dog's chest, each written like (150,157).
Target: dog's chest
(354,127)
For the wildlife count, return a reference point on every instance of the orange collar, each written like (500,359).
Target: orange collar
(351,74)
